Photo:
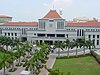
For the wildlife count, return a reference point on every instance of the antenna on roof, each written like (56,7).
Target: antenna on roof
(53,7)
(60,11)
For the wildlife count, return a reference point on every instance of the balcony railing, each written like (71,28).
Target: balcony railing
(50,37)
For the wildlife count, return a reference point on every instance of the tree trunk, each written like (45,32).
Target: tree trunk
(84,51)
(90,48)
(76,51)
(58,52)
(19,60)
(24,57)
(7,48)
(13,66)
(68,53)
(28,54)
(4,68)
(3,46)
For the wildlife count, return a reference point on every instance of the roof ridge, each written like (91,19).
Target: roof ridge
(52,14)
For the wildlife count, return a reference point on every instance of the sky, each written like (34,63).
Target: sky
(32,10)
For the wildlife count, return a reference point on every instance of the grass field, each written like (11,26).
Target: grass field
(78,66)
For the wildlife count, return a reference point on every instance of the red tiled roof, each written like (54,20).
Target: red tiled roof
(21,24)
(52,14)
(3,16)
(89,23)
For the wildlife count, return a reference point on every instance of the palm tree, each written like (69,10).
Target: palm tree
(32,65)
(4,61)
(18,53)
(3,41)
(12,58)
(28,48)
(89,44)
(8,41)
(83,43)
(58,45)
(23,48)
(67,45)
(76,44)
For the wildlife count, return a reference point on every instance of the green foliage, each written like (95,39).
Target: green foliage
(13,70)
(55,72)
(19,64)
(19,49)
(65,57)
(37,43)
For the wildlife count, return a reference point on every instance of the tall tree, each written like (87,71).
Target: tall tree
(12,58)
(76,44)
(4,61)
(58,45)
(67,45)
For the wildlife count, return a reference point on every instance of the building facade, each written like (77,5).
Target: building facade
(52,27)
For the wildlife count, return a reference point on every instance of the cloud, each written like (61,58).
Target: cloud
(46,4)
(58,4)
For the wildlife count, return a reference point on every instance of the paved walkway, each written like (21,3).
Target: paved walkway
(17,72)
(49,64)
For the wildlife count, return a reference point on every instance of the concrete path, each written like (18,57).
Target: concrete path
(49,64)
(19,70)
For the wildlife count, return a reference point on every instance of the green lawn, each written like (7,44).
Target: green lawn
(78,66)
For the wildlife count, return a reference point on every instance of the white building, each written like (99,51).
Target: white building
(4,18)
(52,27)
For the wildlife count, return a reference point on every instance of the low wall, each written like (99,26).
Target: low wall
(96,55)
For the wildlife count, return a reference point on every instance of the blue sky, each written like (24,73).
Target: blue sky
(32,10)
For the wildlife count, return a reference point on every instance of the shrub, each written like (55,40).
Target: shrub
(66,57)
(13,70)
(18,65)
(55,72)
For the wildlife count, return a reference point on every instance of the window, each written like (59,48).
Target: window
(42,24)
(12,37)
(97,36)
(67,35)
(11,34)
(8,34)
(97,42)
(93,41)
(15,34)
(34,33)
(50,25)
(15,37)
(78,32)
(0,31)
(60,25)
(89,36)
(82,32)
(41,35)
(93,36)
(60,35)
(51,20)
(5,34)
